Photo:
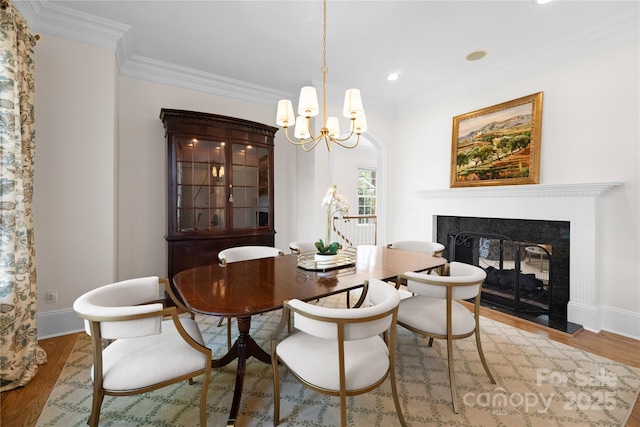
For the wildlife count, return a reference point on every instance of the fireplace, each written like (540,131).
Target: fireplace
(527,263)
(574,203)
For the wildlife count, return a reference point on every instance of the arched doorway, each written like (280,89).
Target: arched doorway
(343,171)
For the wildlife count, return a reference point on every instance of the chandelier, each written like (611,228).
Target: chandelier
(308,107)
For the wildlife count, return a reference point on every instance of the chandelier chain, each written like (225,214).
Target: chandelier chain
(324,39)
(324,68)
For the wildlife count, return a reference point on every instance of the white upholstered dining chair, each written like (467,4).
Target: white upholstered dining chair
(433,311)
(139,345)
(339,351)
(302,246)
(244,253)
(425,246)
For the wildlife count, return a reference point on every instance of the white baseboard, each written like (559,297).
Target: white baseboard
(586,315)
(621,322)
(60,322)
(595,319)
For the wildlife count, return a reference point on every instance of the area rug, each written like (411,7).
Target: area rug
(539,383)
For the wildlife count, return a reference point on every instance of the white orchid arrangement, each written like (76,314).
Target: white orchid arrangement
(336,204)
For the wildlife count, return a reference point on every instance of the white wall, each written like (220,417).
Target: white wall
(143,170)
(74,193)
(590,133)
(100,175)
(100,187)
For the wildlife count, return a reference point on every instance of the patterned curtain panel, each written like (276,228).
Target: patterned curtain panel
(20,353)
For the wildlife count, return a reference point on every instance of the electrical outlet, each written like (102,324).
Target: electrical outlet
(51,296)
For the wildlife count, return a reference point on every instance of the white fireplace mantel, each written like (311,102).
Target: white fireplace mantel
(575,203)
(539,190)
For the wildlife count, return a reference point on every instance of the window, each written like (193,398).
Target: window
(366,191)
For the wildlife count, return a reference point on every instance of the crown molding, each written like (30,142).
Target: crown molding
(44,16)
(51,18)
(162,72)
(604,34)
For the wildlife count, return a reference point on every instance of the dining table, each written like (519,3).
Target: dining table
(243,289)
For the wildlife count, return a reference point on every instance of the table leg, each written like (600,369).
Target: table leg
(244,347)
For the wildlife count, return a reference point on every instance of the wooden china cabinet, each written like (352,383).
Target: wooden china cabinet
(220,184)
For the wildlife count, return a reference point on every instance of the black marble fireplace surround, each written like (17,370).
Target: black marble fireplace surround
(524,232)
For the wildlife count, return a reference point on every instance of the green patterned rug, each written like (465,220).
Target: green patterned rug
(539,383)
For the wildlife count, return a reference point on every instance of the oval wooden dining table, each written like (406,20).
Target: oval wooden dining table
(246,288)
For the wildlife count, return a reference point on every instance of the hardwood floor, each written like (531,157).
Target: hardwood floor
(21,407)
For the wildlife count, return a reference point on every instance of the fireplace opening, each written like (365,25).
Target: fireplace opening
(514,280)
(526,261)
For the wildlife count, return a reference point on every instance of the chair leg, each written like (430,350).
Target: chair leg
(98,396)
(203,397)
(482,359)
(430,342)
(452,376)
(396,400)
(343,409)
(276,392)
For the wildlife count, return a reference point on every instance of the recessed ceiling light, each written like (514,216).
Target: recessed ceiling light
(393,77)
(543,1)
(478,54)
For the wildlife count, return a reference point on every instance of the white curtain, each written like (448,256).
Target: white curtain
(20,353)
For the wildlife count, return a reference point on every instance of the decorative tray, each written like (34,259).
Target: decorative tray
(344,258)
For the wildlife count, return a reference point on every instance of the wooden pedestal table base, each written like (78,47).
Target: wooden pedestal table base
(244,347)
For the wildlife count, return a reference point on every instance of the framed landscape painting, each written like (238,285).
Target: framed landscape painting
(498,145)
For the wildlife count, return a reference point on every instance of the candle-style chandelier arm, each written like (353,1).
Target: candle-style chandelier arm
(304,143)
(340,141)
(306,137)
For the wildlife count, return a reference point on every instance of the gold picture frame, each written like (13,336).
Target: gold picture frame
(498,145)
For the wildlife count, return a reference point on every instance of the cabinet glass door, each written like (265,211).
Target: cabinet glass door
(200,184)
(250,186)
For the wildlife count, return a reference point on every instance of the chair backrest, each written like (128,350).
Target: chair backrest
(244,253)
(466,280)
(359,323)
(110,303)
(171,350)
(424,246)
(302,246)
